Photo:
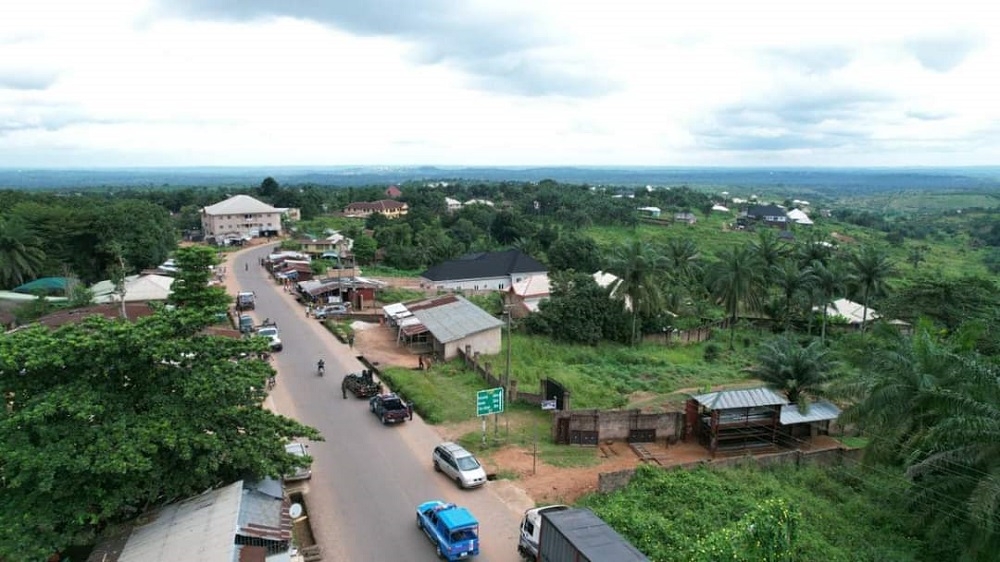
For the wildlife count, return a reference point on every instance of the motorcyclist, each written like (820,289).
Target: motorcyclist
(321,367)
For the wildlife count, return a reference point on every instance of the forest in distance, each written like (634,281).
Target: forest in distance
(826,180)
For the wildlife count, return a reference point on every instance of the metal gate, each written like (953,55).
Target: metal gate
(562,431)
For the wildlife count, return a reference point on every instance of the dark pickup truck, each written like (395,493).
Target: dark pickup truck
(389,408)
(361,385)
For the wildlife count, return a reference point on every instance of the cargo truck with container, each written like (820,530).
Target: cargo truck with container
(558,533)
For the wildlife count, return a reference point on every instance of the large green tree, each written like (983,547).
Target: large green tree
(574,251)
(580,311)
(107,418)
(191,292)
(21,256)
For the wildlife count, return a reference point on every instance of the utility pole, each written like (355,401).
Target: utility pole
(506,382)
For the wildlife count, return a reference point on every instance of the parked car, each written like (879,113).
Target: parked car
(302,473)
(246,323)
(452,529)
(459,465)
(389,408)
(245,300)
(324,312)
(271,333)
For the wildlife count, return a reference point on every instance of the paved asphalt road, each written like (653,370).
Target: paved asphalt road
(367,478)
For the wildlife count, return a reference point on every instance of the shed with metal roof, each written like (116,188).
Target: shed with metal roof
(454,323)
(736,419)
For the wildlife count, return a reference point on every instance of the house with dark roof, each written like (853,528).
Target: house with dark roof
(483,271)
(446,324)
(249,522)
(770,215)
(386,207)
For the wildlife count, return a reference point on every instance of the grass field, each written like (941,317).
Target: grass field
(604,376)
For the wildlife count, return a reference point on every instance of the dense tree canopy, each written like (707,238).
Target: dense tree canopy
(107,418)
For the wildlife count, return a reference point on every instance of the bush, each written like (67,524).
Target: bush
(712,351)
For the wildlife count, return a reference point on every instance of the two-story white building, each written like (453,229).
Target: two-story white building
(241,216)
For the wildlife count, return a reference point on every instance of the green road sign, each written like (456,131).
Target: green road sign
(489,401)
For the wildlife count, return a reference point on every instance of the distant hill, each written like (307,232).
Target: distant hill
(828,180)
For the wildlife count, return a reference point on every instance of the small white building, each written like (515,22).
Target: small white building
(449,323)
(138,288)
(453,205)
(524,296)
(799,217)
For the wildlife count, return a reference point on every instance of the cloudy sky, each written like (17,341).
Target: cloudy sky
(498,82)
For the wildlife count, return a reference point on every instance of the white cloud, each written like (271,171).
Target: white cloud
(521,82)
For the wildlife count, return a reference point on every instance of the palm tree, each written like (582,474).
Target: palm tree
(801,373)
(682,257)
(791,280)
(959,457)
(871,269)
(737,281)
(641,270)
(830,282)
(770,250)
(890,394)
(21,254)
(814,248)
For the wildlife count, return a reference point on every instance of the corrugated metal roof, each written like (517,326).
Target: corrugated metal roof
(413,329)
(454,319)
(820,411)
(198,528)
(238,205)
(396,309)
(746,398)
(484,265)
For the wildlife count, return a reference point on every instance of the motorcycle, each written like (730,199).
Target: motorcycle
(320,369)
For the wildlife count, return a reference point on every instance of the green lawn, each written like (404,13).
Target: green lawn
(604,376)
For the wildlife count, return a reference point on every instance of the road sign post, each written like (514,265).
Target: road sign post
(488,402)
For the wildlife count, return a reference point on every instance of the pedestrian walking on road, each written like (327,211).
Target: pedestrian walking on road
(343,387)
(350,341)
(246,266)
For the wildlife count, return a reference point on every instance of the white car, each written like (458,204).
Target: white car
(299,450)
(459,465)
(271,333)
